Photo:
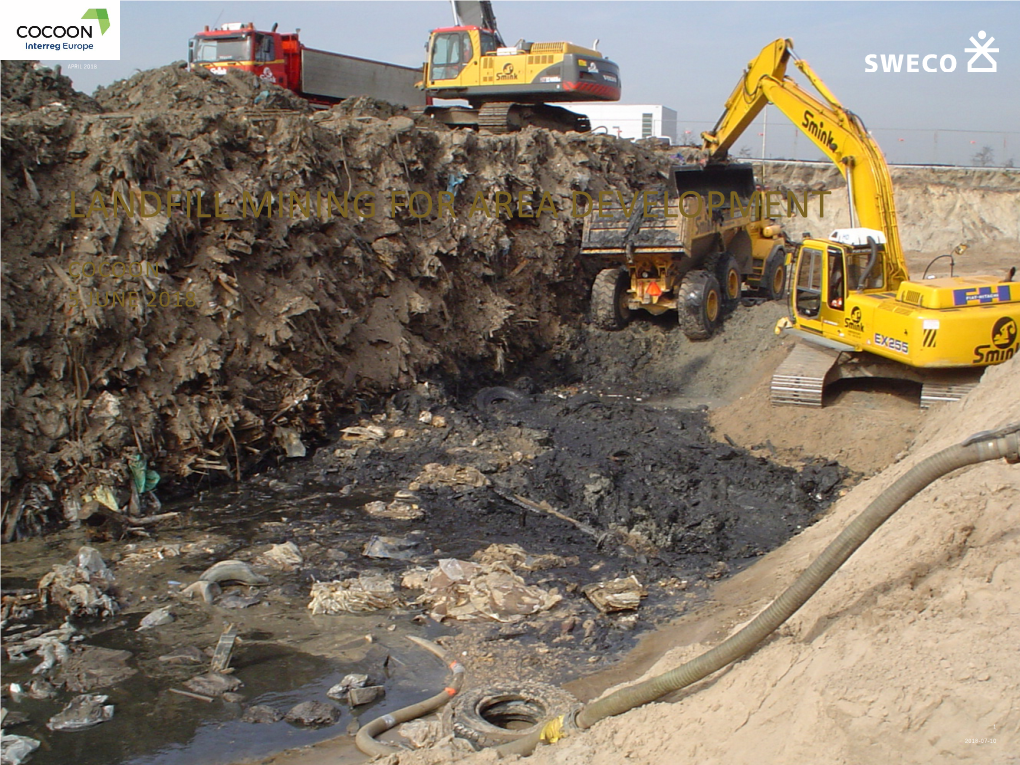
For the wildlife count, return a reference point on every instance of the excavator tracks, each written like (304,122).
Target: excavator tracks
(800,379)
(944,392)
(506,117)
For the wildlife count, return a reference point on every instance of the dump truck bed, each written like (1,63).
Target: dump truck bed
(657,226)
(335,76)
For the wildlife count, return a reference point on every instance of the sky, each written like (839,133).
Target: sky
(685,55)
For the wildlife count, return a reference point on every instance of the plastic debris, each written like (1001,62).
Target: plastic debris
(232,571)
(81,586)
(398,510)
(157,618)
(14,750)
(516,557)
(286,557)
(224,648)
(622,594)
(397,548)
(368,592)
(458,589)
(143,478)
(82,712)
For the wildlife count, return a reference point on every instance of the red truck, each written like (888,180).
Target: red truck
(318,76)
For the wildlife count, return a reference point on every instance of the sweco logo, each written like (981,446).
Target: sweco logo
(946,62)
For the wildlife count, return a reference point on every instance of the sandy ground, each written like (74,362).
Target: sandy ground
(908,655)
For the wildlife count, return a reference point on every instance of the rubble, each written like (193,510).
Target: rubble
(156,618)
(345,686)
(285,557)
(362,594)
(15,750)
(81,587)
(261,714)
(314,714)
(622,594)
(82,712)
(465,591)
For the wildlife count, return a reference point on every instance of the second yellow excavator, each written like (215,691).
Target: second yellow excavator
(851,300)
(510,87)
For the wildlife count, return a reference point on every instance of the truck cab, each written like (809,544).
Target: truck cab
(269,55)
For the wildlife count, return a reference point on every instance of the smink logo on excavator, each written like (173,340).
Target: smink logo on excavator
(966,296)
(855,321)
(817,129)
(1003,345)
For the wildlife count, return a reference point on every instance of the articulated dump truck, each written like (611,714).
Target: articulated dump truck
(689,246)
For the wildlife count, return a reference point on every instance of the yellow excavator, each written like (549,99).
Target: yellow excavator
(851,300)
(510,87)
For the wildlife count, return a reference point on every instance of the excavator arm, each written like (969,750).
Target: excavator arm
(834,129)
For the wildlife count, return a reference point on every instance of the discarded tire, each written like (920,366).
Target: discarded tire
(497,714)
(609,308)
(486,397)
(724,267)
(699,305)
(773,279)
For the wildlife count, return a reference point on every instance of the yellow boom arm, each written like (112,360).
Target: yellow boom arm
(831,127)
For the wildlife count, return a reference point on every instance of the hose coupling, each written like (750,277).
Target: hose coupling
(1004,442)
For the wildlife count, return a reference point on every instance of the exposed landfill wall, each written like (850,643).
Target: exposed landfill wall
(238,321)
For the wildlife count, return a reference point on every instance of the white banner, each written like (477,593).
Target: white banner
(72,30)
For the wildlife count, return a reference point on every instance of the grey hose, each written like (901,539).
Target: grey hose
(366,734)
(1004,443)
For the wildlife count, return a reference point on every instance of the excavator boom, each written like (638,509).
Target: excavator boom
(851,299)
(837,131)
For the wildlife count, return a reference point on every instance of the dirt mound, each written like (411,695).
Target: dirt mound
(208,343)
(938,207)
(27,85)
(174,87)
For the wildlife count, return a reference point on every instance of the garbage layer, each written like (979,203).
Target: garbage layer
(205,344)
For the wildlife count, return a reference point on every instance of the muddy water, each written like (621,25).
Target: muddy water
(606,461)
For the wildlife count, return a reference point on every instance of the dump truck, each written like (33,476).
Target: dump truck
(510,87)
(853,305)
(688,246)
(321,77)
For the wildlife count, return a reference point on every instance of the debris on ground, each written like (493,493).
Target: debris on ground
(82,712)
(232,571)
(514,556)
(156,618)
(622,594)
(361,594)
(397,510)
(213,684)
(421,733)
(345,686)
(313,714)
(465,591)
(90,667)
(14,750)
(285,557)
(261,714)
(395,548)
(81,587)
(451,476)
(359,696)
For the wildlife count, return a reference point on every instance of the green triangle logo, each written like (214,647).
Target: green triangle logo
(100,15)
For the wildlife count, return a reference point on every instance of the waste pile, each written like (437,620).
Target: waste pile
(180,287)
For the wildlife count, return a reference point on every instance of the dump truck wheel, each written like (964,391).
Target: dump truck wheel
(773,278)
(609,309)
(699,305)
(724,267)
